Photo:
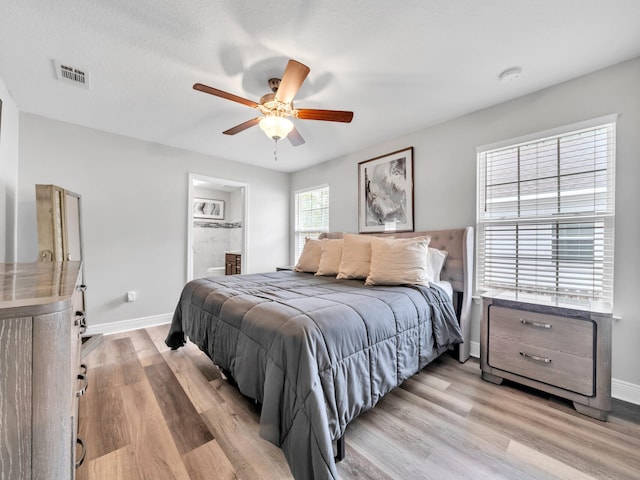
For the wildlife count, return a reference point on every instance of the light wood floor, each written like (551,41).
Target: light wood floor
(151,413)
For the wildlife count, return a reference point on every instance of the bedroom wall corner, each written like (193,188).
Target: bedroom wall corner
(9,140)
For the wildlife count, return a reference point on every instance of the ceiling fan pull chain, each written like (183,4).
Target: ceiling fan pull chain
(275,150)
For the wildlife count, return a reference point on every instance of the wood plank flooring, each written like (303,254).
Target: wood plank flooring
(152,414)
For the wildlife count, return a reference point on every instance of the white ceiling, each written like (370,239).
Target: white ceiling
(399,65)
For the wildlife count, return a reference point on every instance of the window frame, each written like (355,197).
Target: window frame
(314,232)
(603,219)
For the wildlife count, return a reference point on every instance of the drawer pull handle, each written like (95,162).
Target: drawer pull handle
(524,321)
(80,442)
(85,384)
(80,321)
(535,357)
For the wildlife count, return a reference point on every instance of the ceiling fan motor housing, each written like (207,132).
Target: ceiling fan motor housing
(269,105)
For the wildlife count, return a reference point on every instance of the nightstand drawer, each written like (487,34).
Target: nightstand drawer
(555,350)
(568,335)
(554,346)
(570,372)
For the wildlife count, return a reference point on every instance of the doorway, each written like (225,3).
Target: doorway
(216,225)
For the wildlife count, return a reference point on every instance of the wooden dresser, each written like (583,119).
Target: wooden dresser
(41,379)
(558,348)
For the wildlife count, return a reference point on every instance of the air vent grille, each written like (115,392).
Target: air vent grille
(73,75)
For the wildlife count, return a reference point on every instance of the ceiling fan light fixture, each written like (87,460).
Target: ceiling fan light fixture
(276,127)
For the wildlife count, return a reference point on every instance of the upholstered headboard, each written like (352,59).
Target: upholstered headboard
(458,269)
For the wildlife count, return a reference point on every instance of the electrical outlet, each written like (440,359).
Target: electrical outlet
(131,296)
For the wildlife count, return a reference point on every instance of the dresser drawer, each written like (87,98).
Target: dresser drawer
(78,327)
(78,373)
(554,350)
(569,335)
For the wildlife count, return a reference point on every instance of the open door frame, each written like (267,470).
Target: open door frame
(245,214)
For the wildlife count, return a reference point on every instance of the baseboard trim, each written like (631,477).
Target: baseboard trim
(625,391)
(131,324)
(474,349)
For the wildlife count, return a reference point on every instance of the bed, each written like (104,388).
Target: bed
(317,351)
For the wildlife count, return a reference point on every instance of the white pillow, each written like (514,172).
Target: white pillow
(356,256)
(330,257)
(435,262)
(310,256)
(398,261)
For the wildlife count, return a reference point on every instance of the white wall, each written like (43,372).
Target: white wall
(445,180)
(236,207)
(134,212)
(9,128)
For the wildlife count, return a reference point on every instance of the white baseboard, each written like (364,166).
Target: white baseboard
(131,324)
(474,349)
(625,391)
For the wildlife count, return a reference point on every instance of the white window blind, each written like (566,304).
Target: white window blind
(546,215)
(311,216)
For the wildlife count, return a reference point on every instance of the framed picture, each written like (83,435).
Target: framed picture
(385,193)
(208,208)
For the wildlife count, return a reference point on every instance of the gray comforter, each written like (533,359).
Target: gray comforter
(315,351)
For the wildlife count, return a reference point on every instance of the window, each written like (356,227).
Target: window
(546,214)
(312,215)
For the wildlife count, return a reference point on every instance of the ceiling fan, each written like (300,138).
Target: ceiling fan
(276,107)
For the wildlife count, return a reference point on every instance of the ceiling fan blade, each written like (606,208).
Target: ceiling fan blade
(221,94)
(326,115)
(243,126)
(292,79)
(295,138)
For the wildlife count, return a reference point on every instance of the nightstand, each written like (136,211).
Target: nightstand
(560,348)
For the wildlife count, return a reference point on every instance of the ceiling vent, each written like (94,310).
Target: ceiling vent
(72,75)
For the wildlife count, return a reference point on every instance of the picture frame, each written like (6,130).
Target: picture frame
(385,193)
(208,208)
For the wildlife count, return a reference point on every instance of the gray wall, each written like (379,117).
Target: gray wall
(8,175)
(134,209)
(445,178)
